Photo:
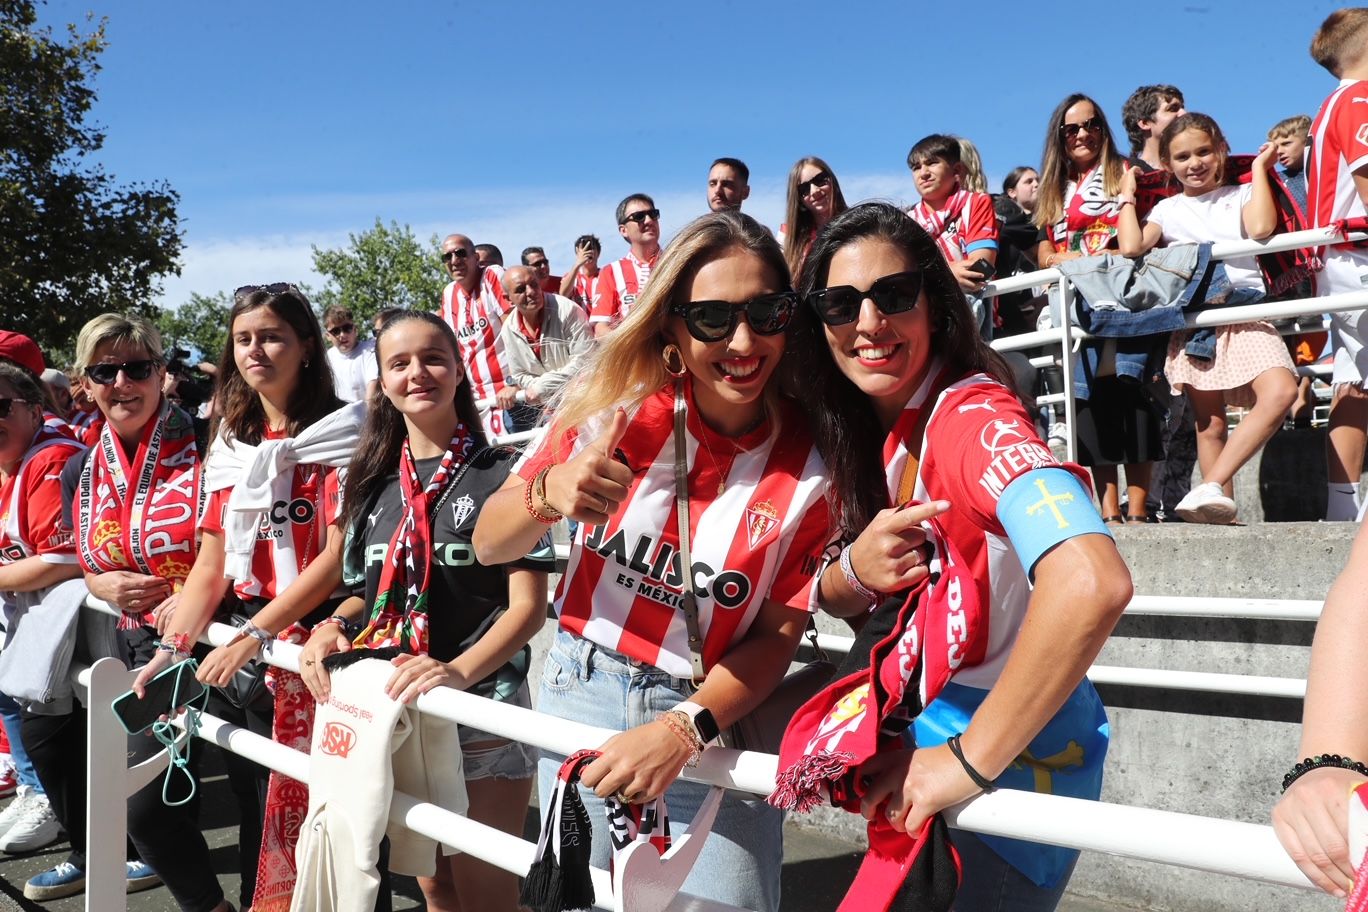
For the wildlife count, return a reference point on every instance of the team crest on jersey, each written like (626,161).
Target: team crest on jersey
(462,508)
(761,520)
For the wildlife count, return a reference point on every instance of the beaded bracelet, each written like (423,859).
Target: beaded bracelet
(979,779)
(1319,761)
(673,721)
(265,639)
(853,581)
(337,619)
(538,486)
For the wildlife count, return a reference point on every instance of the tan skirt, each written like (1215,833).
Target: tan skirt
(1243,351)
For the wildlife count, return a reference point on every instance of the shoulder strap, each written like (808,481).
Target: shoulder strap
(681,473)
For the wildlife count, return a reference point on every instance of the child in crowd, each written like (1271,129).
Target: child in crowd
(1249,366)
(962,222)
(1289,138)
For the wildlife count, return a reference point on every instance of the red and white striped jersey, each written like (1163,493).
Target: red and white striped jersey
(761,538)
(31,504)
(476,321)
(977,441)
(619,285)
(965,224)
(1339,147)
(583,292)
(315,500)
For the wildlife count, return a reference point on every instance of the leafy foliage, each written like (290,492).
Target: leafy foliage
(73,242)
(382,267)
(200,324)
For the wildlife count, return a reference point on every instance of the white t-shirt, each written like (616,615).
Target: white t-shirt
(1213,217)
(353,370)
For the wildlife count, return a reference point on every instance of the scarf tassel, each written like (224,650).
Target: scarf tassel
(800,786)
(558,880)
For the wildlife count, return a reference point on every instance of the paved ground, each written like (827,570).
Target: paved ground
(817,869)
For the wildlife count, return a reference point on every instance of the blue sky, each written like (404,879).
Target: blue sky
(289,124)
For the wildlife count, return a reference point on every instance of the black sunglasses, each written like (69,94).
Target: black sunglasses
(341,330)
(892,294)
(713,321)
(105,374)
(274,288)
(641,217)
(460,253)
(539,264)
(1092,125)
(7,406)
(822,179)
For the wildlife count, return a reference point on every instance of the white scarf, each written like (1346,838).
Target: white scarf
(262,474)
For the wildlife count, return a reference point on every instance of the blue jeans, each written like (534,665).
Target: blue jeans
(9,716)
(991,884)
(744,854)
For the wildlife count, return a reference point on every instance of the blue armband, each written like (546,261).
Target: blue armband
(1044,507)
(985,244)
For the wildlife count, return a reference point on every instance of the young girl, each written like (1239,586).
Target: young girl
(699,351)
(468,623)
(1250,367)
(270,527)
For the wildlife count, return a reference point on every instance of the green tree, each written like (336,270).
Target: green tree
(382,267)
(200,323)
(73,242)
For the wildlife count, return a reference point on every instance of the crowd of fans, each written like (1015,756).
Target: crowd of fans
(790,420)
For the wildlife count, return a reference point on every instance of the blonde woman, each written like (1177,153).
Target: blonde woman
(707,335)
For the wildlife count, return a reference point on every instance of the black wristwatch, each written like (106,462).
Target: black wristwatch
(701,718)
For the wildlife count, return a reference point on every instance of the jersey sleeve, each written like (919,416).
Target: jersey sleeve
(555,445)
(497,288)
(1349,128)
(981,225)
(43,528)
(214,504)
(333,479)
(795,579)
(604,306)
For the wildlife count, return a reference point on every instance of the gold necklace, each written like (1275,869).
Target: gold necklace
(703,437)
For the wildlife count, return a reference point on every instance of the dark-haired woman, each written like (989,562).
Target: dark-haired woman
(1077,211)
(814,198)
(938,406)
(270,528)
(461,623)
(701,347)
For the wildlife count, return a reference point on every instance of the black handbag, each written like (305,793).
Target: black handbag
(762,729)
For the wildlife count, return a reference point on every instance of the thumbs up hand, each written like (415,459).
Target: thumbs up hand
(589,488)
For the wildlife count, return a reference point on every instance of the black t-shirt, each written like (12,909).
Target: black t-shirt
(465,597)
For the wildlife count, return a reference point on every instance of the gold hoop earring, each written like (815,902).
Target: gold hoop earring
(670,353)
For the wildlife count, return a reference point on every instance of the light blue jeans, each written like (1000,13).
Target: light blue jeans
(744,854)
(9,717)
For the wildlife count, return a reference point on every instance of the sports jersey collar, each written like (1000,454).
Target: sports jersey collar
(647,265)
(929,382)
(701,431)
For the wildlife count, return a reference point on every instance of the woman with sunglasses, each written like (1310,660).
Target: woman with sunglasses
(814,198)
(270,529)
(938,423)
(1077,211)
(701,348)
(131,501)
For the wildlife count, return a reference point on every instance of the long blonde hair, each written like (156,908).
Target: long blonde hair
(974,178)
(628,365)
(798,222)
(1054,173)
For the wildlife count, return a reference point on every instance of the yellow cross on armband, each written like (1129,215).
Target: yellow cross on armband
(1050,502)
(1043,507)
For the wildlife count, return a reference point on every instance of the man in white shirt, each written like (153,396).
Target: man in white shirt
(353,364)
(546,337)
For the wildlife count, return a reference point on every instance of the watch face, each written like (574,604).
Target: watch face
(706,725)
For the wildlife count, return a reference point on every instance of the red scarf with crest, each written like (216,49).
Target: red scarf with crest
(139,514)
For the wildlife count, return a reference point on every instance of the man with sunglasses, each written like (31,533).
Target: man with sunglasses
(474,305)
(535,259)
(352,363)
(620,283)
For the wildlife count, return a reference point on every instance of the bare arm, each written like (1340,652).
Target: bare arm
(526,614)
(1260,215)
(30,574)
(1132,238)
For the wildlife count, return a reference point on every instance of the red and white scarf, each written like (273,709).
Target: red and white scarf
(943,224)
(139,514)
(1090,216)
(400,615)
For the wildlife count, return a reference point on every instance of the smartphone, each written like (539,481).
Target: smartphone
(176,683)
(983,268)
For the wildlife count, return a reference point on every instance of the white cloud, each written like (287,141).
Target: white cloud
(519,218)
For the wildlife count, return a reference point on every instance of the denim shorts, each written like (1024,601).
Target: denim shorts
(505,760)
(743,856)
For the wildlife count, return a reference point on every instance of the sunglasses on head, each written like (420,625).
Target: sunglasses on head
(821,179)
(341,330)
(1092,125)
(7,406)
(641,217)
(460,253)
(713,321)
(892,294)
(105,374)
(274,288)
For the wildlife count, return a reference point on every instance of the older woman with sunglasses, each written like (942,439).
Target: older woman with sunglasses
(682,427)
(939,423)
(814,198)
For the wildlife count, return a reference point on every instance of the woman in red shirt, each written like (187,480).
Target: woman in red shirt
(699,351)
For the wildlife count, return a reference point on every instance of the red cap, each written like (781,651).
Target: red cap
(22,350)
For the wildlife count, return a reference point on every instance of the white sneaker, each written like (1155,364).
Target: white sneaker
(1058,434)
(32,826)
(1207,503)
